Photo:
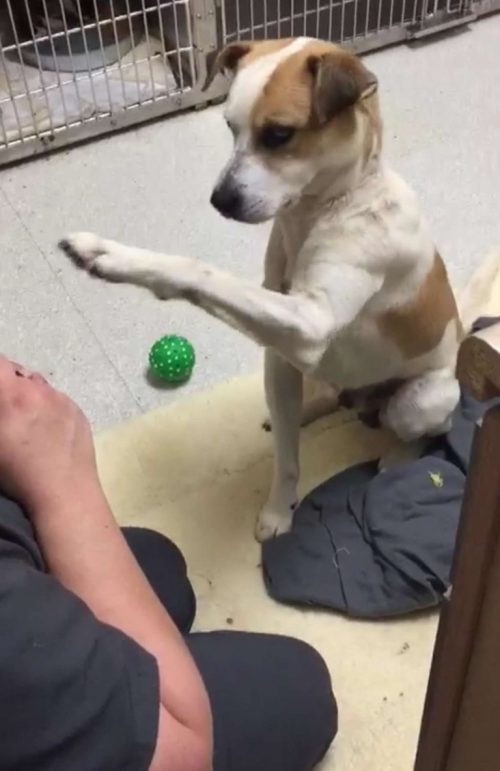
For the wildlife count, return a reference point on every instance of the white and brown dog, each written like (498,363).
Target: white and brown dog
(355,294)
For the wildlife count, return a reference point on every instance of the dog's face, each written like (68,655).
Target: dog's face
(292,112)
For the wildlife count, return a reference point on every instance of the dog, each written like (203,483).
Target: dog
(355,294)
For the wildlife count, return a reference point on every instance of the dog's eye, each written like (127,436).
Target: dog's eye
(273,136)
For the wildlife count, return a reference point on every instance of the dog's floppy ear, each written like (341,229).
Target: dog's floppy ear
(339,81)
(227,60)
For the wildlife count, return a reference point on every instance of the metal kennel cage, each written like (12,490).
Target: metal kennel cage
(73,69)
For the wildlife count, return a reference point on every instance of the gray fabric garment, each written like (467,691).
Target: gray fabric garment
(374,545)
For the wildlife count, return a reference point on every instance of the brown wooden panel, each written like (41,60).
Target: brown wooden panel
(461,724)
(476,548)
(475,744)
(479,363)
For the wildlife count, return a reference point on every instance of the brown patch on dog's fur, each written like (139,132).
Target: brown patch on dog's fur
(288,99)
(418,327)
(340,80)
(287,96)
(291,97)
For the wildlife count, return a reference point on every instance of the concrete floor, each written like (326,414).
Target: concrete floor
(151,187)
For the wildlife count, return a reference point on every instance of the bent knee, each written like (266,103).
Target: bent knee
(422,407)
(315,694)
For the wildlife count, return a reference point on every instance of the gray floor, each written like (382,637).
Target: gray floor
(151,187)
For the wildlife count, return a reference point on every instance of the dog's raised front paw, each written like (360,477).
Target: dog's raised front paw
(99,256)
(83,248)
(272,522)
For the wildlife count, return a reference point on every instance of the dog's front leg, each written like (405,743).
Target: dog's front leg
(284,398)
(297,326)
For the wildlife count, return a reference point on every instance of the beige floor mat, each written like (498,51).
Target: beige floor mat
(199,472)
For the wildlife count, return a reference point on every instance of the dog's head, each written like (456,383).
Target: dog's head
(293,109)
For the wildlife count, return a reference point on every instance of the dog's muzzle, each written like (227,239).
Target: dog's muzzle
(228,201)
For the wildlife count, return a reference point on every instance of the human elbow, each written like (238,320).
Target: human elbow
(196,760)
(197,755)
(201,756)
(180,748)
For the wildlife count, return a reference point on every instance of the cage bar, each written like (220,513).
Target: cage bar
(74,69)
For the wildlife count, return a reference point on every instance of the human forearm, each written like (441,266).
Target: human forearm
(47,464)
(86,551)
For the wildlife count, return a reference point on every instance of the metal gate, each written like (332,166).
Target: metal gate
(73,69)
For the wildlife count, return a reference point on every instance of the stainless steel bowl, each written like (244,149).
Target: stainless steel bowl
(82,50)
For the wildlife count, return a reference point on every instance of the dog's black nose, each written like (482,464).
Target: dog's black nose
(227,200)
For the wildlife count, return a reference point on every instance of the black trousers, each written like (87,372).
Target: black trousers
(271,696)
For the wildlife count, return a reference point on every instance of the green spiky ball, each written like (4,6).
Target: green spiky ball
(172,359)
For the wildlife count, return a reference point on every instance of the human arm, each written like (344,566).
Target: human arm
(47,463)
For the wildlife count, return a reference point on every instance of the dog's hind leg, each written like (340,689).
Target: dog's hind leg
(422,407)
(284,397)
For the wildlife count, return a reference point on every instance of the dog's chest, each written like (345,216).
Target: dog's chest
(409,325)
(294,230)
(360,356)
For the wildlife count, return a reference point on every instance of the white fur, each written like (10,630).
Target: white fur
(344,258)
(250,82)
(265,190)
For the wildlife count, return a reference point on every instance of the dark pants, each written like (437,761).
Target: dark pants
(271,696)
